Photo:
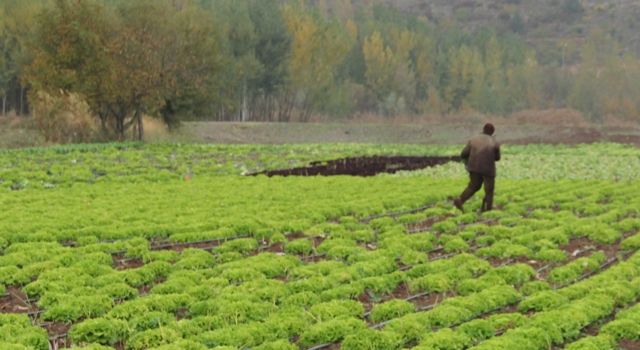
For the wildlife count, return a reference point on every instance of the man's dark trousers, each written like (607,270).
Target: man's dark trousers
(475,183)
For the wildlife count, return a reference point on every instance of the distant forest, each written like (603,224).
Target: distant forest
(278,60)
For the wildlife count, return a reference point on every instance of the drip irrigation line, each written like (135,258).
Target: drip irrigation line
(186,244)
(35,314)
(59,336)
(168,245)
(396,213)
(321,346)
(409,298)
(428,229)
(545,267)
(314,256)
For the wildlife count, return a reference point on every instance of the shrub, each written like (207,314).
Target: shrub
(411,327)
(241,245)
(240,336)
(337,308)
(180,345)
(445,339)
(593,343)
(100,330)
(391,309)
(276,345)
(152,320)
(299,246)
(477,330)
(63,118)
(369,339)
(631,243)
(456,245)
(330,331)
(152,338)
(622,329)
(534,287)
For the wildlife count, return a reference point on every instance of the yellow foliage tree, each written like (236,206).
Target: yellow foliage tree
(318,47)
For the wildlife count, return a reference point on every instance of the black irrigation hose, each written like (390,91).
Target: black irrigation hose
(409,298)
(486,221)
(321,346)
(313,256)
(58,336)
(185,244)
(35,314)
(257,250)
(397,213)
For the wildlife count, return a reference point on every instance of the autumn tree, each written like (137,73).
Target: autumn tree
(317,47)
(465,72)
(128,60)
(379,64)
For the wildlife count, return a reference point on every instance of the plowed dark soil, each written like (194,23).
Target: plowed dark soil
(362,166)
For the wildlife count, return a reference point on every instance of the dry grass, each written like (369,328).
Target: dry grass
(63,118)
(563,117)
(154,129)
(549,126)
(18,132)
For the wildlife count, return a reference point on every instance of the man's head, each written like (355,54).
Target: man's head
(488,129)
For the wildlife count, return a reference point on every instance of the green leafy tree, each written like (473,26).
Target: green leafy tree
(465,71)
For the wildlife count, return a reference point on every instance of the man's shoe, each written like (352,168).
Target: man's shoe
(458,203)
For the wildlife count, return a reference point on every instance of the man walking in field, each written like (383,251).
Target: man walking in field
(480,156)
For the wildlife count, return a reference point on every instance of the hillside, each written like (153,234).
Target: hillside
(552,26)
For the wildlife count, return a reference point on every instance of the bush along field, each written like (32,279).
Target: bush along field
(170,247)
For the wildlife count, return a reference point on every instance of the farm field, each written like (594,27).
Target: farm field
(169,246)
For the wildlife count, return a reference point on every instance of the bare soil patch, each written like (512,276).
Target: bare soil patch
(362,166)
(554,126)
(425,225)
(122,263)
(630,344)
(16,301)
(56,330)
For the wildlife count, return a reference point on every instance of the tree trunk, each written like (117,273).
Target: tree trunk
(286,107)
(244,102)
(21,100)
(120,127)
(140,126)
(4,105)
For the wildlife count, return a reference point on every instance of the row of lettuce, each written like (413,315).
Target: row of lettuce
(230,206)
(235,297)
(62,166)
(476,321)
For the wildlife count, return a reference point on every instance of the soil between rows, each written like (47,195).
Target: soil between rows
(630,344)
(16,301)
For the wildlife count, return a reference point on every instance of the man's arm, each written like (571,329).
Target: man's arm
(497,152)
(466,151)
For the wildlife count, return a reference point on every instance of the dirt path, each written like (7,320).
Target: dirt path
(421,133)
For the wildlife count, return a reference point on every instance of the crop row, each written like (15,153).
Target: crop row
(626,326)
(63,166)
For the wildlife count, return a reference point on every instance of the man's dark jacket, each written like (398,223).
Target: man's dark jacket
(481,154)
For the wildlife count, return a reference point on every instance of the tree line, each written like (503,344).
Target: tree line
(281,60)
